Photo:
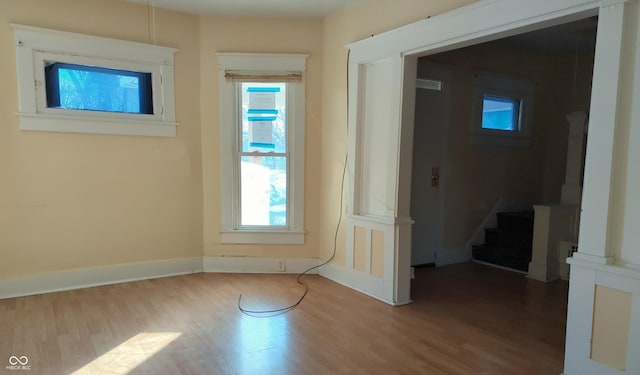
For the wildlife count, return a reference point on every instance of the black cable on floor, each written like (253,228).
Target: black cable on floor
(284,310)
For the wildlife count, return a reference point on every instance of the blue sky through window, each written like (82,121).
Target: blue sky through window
(72,86)
(500,113)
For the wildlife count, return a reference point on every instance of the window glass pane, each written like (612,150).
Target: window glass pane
(72,86)
(263,188)
(264,113)
(500,113)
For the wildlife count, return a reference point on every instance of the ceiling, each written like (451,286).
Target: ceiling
(261,8)
(564,39)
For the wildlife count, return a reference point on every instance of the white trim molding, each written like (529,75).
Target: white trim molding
(390,59)
(259,265)
(357,281)
(274,237)
(272,66)
(97,276)
(38,47)
(585,277)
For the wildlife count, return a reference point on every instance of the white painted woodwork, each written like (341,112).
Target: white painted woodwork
(595,222)
(557,223)
(230,169)
(585,276)
(565,250)
(94,276)
(35,47)
(553,224)
(227,264)
(487,20)
(378,128)
(366,281)
(119,273)
(629,253)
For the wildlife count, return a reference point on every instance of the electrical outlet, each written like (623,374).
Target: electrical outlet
(281,265)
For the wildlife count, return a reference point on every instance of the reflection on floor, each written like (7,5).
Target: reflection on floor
(466,319)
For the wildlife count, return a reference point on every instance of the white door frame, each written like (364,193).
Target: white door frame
(479,22)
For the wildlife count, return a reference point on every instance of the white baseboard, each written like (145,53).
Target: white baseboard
(96,276)
(499,267)
(259,265)
(357,282)
(453,256)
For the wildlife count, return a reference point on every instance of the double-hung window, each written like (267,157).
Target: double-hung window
(262,148)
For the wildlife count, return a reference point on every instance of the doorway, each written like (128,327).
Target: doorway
(428,181)
(476,23)
(458,184)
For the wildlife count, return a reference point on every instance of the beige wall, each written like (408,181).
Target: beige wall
(74,200)
(272,35)
(482,175)
(77,200)
(88,200)
(341,28)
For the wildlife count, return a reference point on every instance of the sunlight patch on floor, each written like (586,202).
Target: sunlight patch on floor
(130,354)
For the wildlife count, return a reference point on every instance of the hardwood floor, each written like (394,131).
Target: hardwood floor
(466,319)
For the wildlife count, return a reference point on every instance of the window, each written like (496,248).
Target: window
(72,86)
(78,83)
(262,148)
(263,158)
(502,111)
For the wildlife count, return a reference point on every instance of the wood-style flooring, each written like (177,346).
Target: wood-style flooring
(466,319)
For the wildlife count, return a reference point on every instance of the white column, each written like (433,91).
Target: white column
(595,221)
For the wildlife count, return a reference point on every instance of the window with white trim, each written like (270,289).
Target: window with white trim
(262,125)
(502,111)
(70,82)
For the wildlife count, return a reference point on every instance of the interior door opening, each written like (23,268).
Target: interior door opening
(487,185)
(429,156)
(460,188)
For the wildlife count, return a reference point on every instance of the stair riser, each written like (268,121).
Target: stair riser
(508,239)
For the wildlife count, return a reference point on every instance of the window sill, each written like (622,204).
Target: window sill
(262,237)
(93,125)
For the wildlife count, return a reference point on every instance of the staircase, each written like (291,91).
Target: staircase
(508,245)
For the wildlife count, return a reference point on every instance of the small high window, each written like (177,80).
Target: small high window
(73,86)
(502,111)
(499,113)
(70,82)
